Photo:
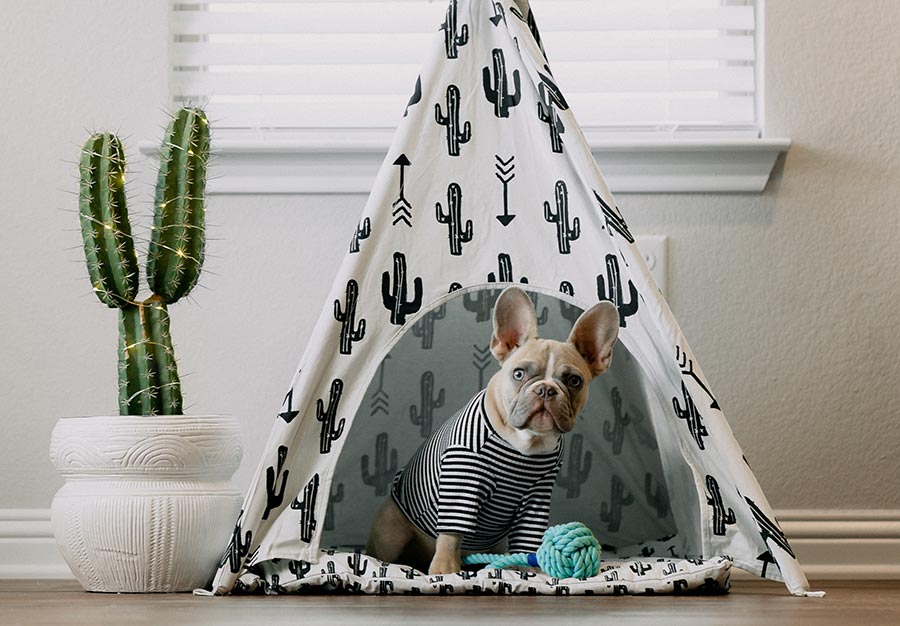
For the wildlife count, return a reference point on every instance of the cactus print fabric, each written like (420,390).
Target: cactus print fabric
(352,572)
(489,181)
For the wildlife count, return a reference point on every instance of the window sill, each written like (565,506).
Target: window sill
(317,162)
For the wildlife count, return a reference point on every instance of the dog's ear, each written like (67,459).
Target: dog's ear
(594,335)
(514,322)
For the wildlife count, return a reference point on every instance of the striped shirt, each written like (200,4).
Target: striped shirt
(466,479)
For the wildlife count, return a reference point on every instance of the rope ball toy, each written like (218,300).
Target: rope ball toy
(567,551)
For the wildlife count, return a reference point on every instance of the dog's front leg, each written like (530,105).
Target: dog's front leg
(446,554)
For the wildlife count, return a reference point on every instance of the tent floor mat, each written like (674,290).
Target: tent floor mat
(353,572)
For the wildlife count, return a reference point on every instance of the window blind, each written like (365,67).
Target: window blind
(639,66)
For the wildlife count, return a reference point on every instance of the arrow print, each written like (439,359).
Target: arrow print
(505,174)
(380,399)
(687,368)
(402,207)
(499,14)
(481,360)
(289,415)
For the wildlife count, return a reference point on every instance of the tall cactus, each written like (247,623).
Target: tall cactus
(424,417)
(614,431)
(105,228)
(177,243)
(455,135)
(362,232)
(613,292)
(424,328)
(564,233)
(569,312)
(578,468)
(148,373)
(611,512)
(452,41)
(383,471)
(458,234)
(396,299)
(331,429)
(496,85)
(548,115)
(351,331)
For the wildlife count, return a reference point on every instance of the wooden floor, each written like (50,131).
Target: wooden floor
(750,603)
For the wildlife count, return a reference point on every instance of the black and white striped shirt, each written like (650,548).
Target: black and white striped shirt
(467,479)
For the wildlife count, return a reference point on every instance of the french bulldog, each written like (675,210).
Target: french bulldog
(482,481)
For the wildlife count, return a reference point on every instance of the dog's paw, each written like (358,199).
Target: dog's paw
(444,565)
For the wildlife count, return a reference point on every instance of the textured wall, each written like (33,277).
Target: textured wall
(789,298)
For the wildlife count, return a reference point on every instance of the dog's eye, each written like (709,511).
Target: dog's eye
(574,381)
(518,374)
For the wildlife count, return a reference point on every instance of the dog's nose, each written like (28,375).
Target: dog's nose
(544,390)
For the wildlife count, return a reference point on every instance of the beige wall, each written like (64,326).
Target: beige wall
(789,298)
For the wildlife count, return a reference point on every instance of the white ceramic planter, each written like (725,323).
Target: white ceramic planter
(148,504)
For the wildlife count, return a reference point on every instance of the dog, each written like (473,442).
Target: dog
(483,480)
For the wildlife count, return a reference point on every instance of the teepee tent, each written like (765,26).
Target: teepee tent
(489,180)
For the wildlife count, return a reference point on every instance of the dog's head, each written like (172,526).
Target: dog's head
(543,383)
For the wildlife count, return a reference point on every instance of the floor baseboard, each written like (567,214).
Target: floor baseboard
(830,544)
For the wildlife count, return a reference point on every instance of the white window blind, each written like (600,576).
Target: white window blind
(653,67)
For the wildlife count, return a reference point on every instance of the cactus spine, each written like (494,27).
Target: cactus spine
(148,373)
(564,234)
(457,234)
(455,136)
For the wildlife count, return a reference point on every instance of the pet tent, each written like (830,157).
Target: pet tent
(489,181)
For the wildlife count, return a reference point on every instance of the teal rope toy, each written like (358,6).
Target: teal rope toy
(567,551)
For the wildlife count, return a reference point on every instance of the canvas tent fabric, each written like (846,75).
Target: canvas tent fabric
(353,572)
(489,181)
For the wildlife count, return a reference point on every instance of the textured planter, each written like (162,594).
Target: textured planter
(148,504)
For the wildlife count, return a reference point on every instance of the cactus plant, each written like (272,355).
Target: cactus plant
(148,373)
(455,134)
(564,233)
(452,41)
(614,430)
(383,470)
(307,508)
(614,291)
(496,85)
(611,512)
(395,299)
(578,468)
(332,429)
(457,233)
(548,115)
(351,330)
(424,416)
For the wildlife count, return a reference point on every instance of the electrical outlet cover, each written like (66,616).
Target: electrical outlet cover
(654,249)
